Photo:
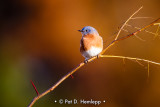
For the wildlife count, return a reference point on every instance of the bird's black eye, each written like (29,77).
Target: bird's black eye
(86,30)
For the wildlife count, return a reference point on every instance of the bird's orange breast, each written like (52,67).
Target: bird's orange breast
(90,40)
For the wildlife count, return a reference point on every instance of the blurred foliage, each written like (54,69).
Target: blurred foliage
(39,42)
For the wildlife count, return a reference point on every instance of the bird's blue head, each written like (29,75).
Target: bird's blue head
(88,30)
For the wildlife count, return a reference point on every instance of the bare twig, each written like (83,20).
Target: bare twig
(144,30)
(157,24)
(57,84)
(127,22)
(134,35)
(156,34)
(82,64)
(131,58)
(142,18)
(35,88)
(124,63)
(139,63)
(148,69)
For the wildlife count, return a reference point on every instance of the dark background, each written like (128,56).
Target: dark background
(39,41)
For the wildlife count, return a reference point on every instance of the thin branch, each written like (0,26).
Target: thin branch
(35,88)
(156,34)
(139,63)
(127,22)
(148,69)
(157,24)
(82,64)
(131,58)
(144,30)
(141,18)
(55,85)
(134,35)
(72,76)
(124,63)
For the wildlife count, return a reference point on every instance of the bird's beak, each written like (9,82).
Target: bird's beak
(80,30)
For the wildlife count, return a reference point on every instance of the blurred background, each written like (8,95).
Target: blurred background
(39,41)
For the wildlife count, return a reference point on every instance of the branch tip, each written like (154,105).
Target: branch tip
(34,87)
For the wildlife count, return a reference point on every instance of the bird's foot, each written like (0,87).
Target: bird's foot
(86,61)
(97,56)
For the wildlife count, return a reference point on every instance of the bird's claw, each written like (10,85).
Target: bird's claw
(85,61)
(97,56)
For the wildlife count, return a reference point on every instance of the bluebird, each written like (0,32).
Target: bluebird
(91,43)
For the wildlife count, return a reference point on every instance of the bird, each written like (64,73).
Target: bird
(91,43)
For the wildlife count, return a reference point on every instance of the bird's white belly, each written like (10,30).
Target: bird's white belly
(93,51)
